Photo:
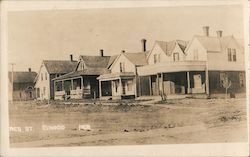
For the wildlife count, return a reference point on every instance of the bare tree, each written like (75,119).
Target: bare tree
(226,83)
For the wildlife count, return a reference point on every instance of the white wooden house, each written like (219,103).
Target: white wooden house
(50,69)
(168,71)
(224,56)
(122,81)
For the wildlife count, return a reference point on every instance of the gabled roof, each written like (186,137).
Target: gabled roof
(84,72)
(96,61)
(138,59)
(59,66)
(169,46)
(22,76)
(215,44)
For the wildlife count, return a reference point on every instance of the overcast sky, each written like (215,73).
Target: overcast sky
(34,36)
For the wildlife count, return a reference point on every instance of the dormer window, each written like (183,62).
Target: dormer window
(231,55)
(81,65)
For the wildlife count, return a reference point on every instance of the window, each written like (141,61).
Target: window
(241,79)
(57,75)
(176,57)
(196,54)
(41,76)
(156,58)
(45,76)
(234,55)
(129,84)
(122,67)
(231,55)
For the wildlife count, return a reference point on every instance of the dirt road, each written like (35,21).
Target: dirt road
(171,122)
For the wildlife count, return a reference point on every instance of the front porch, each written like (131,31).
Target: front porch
(184,77)
(76,88)
(117,86)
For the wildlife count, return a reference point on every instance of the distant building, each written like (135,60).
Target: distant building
(81,82)
(22,87)
(49,70)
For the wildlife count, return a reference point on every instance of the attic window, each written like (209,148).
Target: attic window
(156,58)
(176,57)
(122,67)
(231,55)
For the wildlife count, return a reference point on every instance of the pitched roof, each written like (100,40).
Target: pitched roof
(22,76)
(60,66)
(137,59)
(215,44)
(169,46)
(84,72)
(96,61)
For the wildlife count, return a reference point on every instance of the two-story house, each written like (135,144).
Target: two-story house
(49,70)
(82,81)
(122,81)
(224,58)
(168,72)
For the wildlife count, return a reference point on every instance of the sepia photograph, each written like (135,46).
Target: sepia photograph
(126,76)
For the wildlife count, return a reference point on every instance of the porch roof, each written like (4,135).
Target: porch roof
(113,76)
(84,72)
(167,67)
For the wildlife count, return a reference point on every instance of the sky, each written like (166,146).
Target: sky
(34,36)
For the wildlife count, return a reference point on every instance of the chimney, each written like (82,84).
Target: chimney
(101,52)
(219,33)
(143,42)
(29,69)
(206,30)
(71,57)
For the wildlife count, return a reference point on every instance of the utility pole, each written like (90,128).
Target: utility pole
(12,80)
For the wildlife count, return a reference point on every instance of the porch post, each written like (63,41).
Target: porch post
(139,83)
(55,88)
(120,84)
(162,83)
(100,89)
(188,79)
(207,81)
(150,85)
(157,78)
(135,86)
(81,83)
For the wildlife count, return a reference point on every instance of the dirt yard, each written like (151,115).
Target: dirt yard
(127,122)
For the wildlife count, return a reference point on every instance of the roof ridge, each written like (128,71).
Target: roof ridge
(59,61)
